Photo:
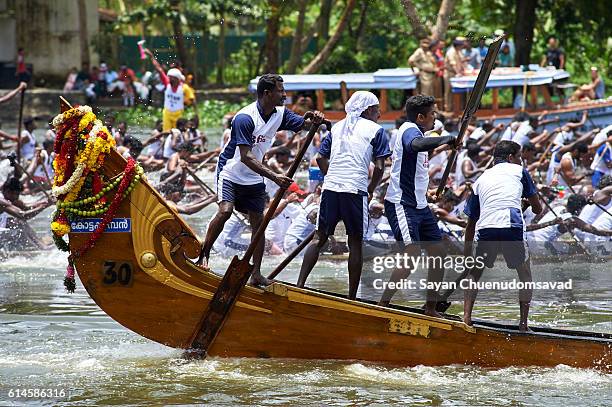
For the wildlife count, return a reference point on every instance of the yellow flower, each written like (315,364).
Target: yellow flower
(60,228)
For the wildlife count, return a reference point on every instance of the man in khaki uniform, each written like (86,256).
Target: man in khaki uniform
(453,66)
(424,60)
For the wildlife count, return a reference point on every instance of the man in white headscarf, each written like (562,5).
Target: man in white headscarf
(344,158)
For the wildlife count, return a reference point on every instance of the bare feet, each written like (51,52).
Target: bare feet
(203,262)
(467,320)
(258,280)
(524,328)
(382,303)
(433,313)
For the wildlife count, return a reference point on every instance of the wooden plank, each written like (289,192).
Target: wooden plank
(384,102)
(495,105)
(320,100)
(533,92)
(344,97)
(546,94)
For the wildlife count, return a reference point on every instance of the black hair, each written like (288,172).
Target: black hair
(533,121)
(605,181)
(28,120)
(450,125)
(575,203)
(473,149)
(418,104)
(582,147)
(182,122)
(505,148)
(528,147)
(12,184)
(450,196)
(171,187)
(133,144)
(520,117)
(185,147)
(487,125)
(267,82)
(47,143)
(283,151)
(399,121)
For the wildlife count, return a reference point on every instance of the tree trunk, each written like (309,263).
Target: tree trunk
(178,35)
(523,30)
(322,56)
(418,28)
(83,37)
(296,45)
(221,50)
(271,44)
(306,38)
(444,14)
(323,26)
(361,26)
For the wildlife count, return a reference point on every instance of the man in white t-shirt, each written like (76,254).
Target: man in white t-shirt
(344,158)
(494,213)
(240,170)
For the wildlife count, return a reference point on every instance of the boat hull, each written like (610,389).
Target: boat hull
(142,280)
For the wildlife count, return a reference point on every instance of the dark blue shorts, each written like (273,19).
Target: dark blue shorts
(352,209)
(508,241)
(244,197)
(411,224)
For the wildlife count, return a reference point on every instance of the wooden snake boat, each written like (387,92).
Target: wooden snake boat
(141,278)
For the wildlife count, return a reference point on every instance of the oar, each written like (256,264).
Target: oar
(21,97)
(204,186)
(239,271)
(291,256)
(18,166)
(471,107)
(570,231)
(590,201)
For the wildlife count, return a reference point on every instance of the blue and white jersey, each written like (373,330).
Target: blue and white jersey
(250,128)
(409,170)
(350,155)
(496,200)
(602,158)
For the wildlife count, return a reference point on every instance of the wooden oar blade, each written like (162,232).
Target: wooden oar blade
(235,278)
(483,77)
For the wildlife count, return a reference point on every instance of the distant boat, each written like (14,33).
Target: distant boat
(331,91)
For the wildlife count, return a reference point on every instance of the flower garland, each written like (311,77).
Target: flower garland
(81,146)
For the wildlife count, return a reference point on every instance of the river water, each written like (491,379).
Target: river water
(53,340)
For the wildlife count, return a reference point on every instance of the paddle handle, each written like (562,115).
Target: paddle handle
(291,256)
(280,193)
(21,99)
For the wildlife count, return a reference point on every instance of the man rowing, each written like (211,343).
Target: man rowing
(240,171)
(344,158)
(406,200)
(494,213)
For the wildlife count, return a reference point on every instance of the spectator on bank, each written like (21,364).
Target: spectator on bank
(127,77)
(453,66)
(482,49)
(21,71)
(424,60)
(71,79)
(504,59)
(555,55)
(594,90)
(472,55)
(82,76)
(112,80)
(101,84)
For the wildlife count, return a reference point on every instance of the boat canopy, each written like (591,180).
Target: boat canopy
(506,77)
(396,78)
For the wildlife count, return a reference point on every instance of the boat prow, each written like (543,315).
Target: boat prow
(143,279)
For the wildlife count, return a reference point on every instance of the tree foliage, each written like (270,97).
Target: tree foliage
(381,34)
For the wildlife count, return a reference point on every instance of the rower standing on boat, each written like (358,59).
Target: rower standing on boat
(240,170)
(344,158)
(494,213)
(406,200)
